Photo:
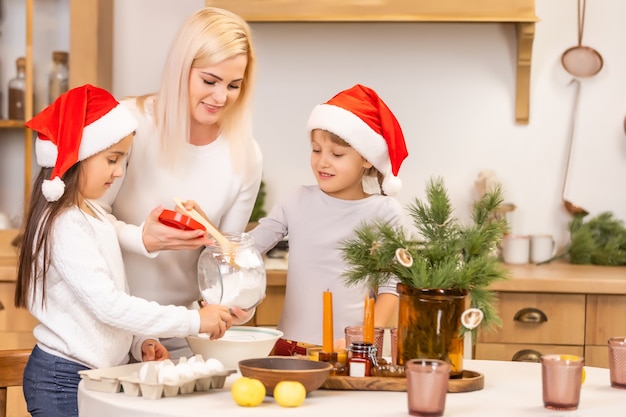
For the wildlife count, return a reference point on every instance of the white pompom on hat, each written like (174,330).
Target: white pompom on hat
(78,124)
(362,119)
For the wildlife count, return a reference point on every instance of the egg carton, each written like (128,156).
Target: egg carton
(125,378)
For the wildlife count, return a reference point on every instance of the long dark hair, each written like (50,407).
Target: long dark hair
(35,244)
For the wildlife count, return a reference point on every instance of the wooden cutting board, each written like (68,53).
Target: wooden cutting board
(471,381)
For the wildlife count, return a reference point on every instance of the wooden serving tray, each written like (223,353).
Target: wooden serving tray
(471,381)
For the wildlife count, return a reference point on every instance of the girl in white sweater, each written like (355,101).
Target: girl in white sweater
(70,274)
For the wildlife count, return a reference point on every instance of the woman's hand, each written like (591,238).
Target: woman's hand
(157,236)
(215,320)
(153,350)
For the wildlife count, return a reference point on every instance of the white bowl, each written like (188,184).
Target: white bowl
(239,343)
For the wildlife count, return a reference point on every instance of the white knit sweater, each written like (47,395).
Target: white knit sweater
(88,316)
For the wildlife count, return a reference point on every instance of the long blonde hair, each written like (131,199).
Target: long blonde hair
(208,37)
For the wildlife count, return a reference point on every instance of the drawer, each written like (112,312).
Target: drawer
(16,404)
(525,352)
(17,340)
(534,318)
(605,318)
(13,319)
(269,311)
(597,356)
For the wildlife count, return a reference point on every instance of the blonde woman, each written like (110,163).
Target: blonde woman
(194,140)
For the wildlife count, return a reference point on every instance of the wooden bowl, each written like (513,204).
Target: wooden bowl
(273,369)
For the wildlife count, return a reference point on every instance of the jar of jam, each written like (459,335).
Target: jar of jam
(361,359)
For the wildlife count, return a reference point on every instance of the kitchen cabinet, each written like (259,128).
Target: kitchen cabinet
(91,57)
(269,311)
(605,319)
(16,324)
(552,308)
(521,13)
(557,308)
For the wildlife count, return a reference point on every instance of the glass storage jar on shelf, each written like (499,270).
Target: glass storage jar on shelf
(58,80)
(17,91)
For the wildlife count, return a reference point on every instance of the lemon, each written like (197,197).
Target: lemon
(248,392)
(289,393)
(575,358)
(569,357)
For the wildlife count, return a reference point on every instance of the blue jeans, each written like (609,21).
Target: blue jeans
(51,385)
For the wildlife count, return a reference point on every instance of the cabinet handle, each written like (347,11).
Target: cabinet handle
(1,306)
(527,355)
(530,315)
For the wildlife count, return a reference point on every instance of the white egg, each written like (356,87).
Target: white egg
(185,372)
(165,362)
(214,365)
(148,373)
(169,375)
(195,359)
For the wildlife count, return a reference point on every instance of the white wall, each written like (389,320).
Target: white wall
(452,86)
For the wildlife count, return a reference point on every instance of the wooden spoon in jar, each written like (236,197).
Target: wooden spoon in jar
(213,231)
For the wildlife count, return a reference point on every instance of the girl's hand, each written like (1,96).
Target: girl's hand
(157,236)
(153,350)
(339,344)
(215,320)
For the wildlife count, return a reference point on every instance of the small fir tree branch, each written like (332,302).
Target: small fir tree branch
(445,254)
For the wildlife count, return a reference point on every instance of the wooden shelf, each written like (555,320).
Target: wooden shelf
(518,12)
(91,43)
(11,124)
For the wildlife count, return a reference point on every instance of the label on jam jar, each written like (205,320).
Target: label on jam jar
(357,368)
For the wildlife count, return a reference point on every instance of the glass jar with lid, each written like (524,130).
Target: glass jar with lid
(233,276)
(58,81)
(361,359)
(17,91)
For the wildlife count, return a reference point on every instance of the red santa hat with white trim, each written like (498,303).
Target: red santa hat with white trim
(78,124)
(362,119)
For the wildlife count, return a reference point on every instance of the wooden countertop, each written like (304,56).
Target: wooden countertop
(557,277)
(561,277)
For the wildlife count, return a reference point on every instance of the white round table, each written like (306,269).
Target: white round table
(511,389)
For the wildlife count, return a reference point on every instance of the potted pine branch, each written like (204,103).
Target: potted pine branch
(444,270)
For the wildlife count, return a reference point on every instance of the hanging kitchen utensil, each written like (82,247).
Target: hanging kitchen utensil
(572,208)
(581,60)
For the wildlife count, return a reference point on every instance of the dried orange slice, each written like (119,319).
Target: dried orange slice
(404,257)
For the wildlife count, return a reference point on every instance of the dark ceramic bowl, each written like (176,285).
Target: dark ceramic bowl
(273,369)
